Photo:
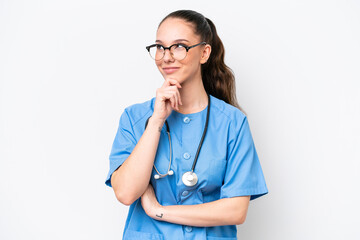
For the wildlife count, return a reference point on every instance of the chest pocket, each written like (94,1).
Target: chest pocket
(211,174)
(211,165)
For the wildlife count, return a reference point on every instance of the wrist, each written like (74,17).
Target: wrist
(157,122)
(159,213)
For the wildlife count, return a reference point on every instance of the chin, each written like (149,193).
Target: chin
(173,75)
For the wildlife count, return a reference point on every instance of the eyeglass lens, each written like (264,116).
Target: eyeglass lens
(178,52)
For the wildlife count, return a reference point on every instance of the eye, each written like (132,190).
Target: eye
(159,47)
(179,46)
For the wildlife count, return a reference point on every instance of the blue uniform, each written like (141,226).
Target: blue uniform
(227,166)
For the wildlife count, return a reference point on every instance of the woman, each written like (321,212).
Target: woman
(185,160)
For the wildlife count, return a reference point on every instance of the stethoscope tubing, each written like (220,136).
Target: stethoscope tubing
(203,135)
(198,149)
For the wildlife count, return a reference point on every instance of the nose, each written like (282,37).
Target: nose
(168,56)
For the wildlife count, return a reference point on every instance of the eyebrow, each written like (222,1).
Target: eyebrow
(177,40)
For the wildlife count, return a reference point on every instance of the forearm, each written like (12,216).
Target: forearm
(138,165)
(227,211)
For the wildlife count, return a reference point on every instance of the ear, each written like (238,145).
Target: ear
(205,54)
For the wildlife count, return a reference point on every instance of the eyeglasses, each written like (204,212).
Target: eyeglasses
(178,50)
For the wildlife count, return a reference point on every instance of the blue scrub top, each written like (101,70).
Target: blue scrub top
(227,166)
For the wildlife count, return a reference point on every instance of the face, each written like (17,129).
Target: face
(174,30)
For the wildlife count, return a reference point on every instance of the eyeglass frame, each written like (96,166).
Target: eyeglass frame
(186,47)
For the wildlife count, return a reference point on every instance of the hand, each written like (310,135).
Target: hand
(150,204)
(167,99)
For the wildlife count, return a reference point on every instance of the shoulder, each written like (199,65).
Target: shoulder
(227,113)
(138,111)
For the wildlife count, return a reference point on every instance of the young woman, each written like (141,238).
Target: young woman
(185,160)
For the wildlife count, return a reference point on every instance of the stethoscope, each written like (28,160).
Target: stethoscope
(189,178)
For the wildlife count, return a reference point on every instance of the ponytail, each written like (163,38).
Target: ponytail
(217,77)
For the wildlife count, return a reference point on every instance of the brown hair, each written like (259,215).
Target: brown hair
(218,79)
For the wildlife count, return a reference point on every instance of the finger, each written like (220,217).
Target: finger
(173,101)
(176,100)
(165,94)
(168,96)
(176,94)
(177,85)
(174,82)
(179,97)
(171,95)
(166,83)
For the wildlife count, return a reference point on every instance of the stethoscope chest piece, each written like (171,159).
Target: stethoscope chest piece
(189,179)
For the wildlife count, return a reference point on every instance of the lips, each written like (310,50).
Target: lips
(169,70)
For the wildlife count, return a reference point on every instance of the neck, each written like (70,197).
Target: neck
(193,96)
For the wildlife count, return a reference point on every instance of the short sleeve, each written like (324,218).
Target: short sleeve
(243,176)
(122,146)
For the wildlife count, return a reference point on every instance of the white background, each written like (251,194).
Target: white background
(68,69)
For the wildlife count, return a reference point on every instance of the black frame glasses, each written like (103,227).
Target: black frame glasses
(187,48)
